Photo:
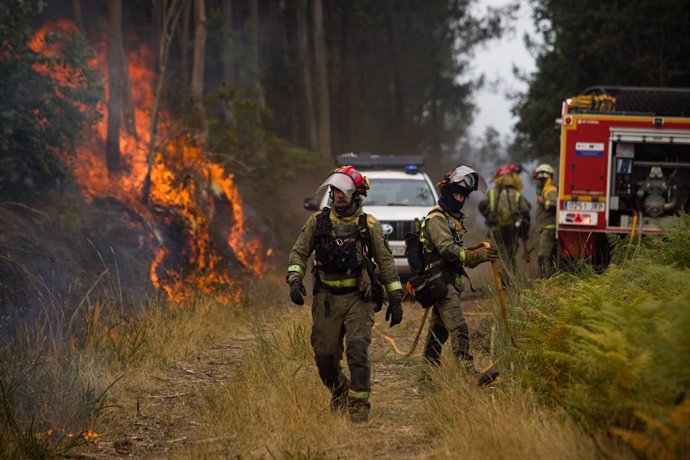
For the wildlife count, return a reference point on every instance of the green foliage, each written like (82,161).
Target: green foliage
(642,43)
(609,347)
(41,119)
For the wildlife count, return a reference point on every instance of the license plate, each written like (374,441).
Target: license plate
(398,251)
(584,206)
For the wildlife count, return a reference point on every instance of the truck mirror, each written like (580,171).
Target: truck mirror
(311,203)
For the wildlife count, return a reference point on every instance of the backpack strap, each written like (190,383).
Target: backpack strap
(456,238)
(365,235)
(323,224)
(324,228)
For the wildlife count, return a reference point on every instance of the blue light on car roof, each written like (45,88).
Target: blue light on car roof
(411,169)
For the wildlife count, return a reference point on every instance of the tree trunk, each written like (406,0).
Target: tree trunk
(78,17)
(397,99)
(434,157)
(343,96)
(254,12)
(290,70)
(197,87)
(228,55)
(184,43)
(305,70)
(128,103)
(258,90)
(324,118)
(170,14)
(112,144)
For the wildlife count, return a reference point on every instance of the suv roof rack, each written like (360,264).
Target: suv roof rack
(373,161)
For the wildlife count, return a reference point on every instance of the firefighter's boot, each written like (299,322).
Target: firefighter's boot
(358,407)
(339,397)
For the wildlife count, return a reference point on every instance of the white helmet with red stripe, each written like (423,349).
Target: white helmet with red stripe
(348,180)
(464,177)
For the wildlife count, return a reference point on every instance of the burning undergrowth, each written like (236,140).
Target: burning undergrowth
(78,266)
(191,228)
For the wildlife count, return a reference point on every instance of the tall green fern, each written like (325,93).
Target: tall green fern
(610,347)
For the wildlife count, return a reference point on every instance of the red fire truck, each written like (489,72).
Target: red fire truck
(624,162)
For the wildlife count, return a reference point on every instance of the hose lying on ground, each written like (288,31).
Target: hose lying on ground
(501,299)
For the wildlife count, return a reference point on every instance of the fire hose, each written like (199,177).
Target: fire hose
(501,299)
(632,236)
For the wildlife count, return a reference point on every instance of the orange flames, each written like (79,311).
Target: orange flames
(184,182)
(88,436)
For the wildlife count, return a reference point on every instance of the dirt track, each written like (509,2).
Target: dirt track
(163,420)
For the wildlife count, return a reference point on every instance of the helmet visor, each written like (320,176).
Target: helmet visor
(467,177)
(341,181)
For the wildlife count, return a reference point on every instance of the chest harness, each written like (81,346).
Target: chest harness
(434,261)
(340,255)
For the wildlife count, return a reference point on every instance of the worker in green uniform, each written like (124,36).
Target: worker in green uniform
(547,200)
(507,214)
(441,236)
(351,255)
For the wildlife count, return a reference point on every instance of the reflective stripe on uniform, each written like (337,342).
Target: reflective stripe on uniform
(548,226)
(394,286)
(547,204)
(347,282)
(462,256)
(354,394)
(296,268)
(492,199)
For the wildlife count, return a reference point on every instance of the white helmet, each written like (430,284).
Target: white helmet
(464,177)
(543,171)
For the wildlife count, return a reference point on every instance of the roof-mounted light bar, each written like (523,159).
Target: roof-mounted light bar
(373,161)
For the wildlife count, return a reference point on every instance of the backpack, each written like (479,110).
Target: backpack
(503,208)
(427,286)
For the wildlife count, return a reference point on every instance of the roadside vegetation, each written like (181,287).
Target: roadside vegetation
(611,350)
(77,369)
(600,370)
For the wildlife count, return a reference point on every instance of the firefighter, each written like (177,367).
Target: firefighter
(507,214)
(441,236)
(547,196)
(346,244)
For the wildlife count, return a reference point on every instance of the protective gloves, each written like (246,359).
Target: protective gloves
(297,292)
(394,312)
(486,254)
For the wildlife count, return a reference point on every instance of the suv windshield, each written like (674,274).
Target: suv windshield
(399,192)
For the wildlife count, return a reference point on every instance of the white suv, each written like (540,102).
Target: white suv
(399,194)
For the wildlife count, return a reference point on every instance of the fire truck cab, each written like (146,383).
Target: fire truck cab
(624,164)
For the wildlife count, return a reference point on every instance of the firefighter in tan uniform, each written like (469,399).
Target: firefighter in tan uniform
(507,213)
(346,244)
(441,236)
(547,201)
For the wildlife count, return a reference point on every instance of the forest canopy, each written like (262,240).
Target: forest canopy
(588,43)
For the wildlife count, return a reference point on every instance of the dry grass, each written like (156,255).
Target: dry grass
(275,406)
(65,372)
(499,422)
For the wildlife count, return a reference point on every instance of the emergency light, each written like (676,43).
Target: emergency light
(411,169)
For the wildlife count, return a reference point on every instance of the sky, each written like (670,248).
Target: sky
(496,60)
